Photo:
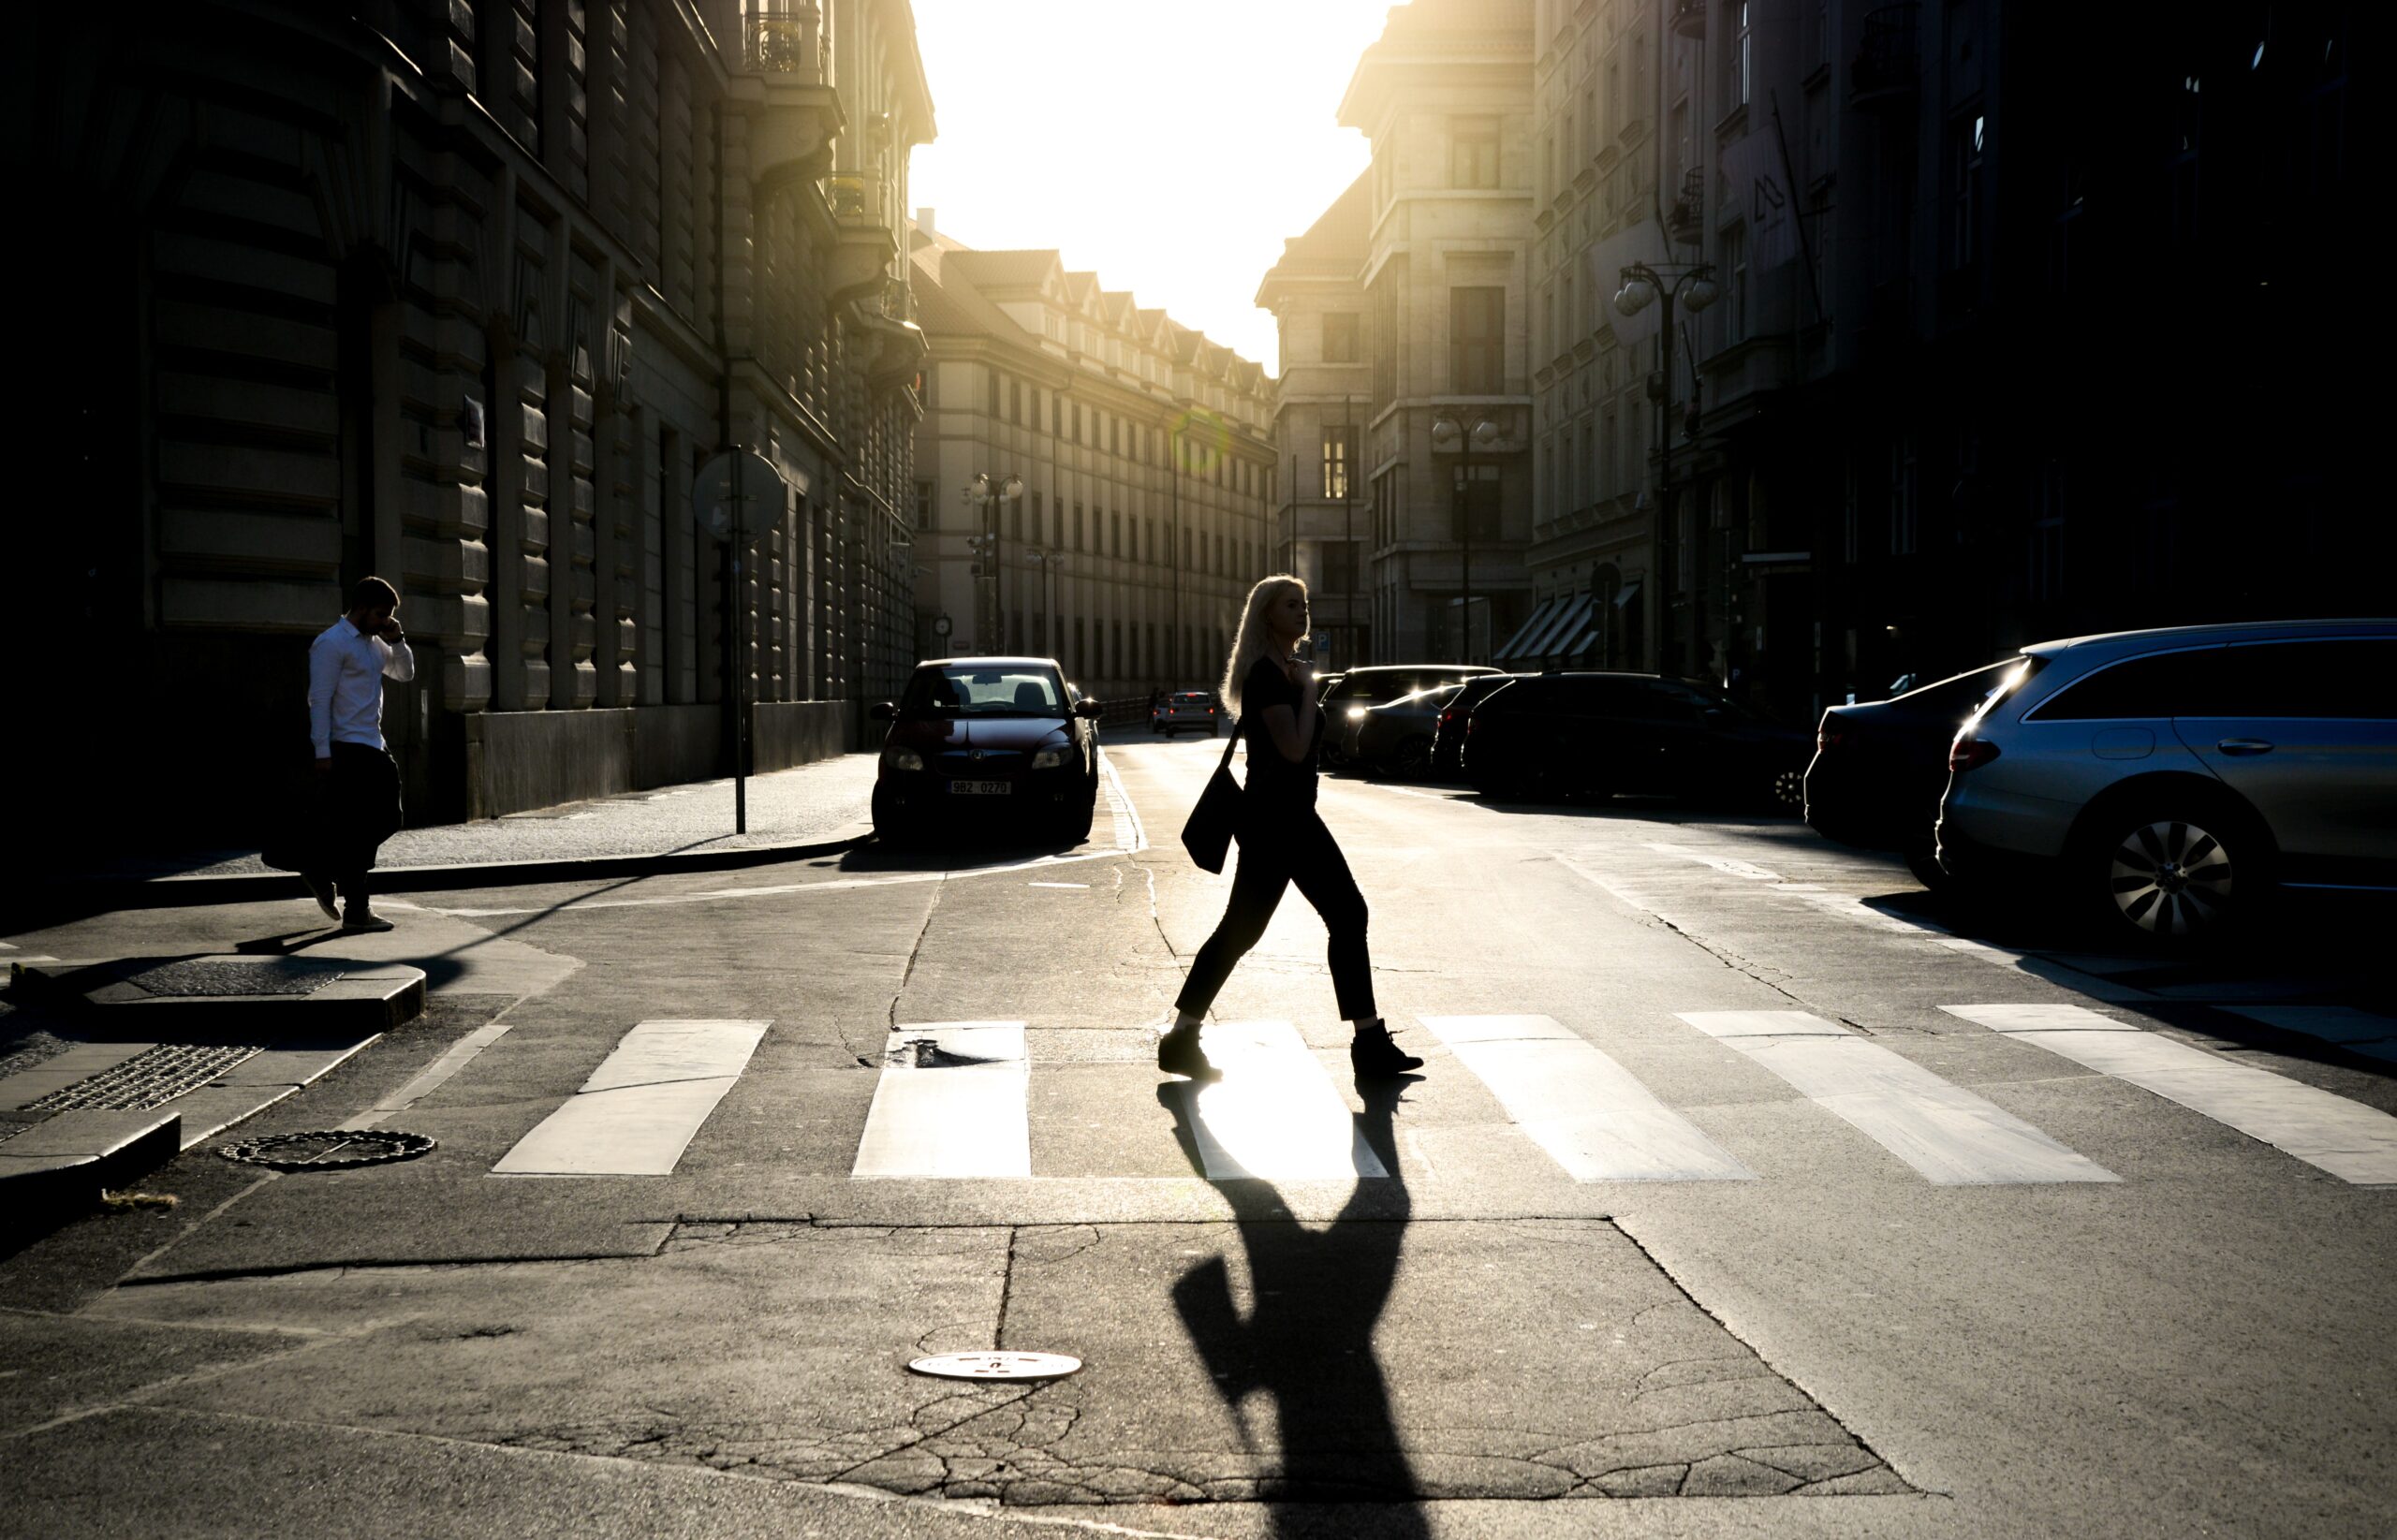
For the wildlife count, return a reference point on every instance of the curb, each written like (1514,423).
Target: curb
(92,895)
(37,1192)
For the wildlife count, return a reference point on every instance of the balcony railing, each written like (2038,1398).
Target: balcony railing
(1687,219)
(1888,60)
(778,37)
(1689,17)
(846,194)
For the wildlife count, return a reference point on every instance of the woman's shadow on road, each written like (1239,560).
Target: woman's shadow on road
(1307,1341)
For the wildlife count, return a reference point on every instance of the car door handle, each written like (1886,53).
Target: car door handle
(2243,745)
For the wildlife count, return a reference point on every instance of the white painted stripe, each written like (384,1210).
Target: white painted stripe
(1950,1135)
(1274,1114)
(951,1103)
(1729,865)
(2351,1141)
(1592,1117)
(434,1076)
(641,1108)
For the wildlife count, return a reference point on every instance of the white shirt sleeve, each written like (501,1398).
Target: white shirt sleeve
(324,677)
(398,660)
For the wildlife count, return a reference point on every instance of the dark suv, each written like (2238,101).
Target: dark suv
(1596,734)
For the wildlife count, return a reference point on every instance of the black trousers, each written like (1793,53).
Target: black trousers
(1275,851)
(358,808)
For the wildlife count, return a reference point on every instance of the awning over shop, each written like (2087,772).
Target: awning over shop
(1541,618)
(1569,623)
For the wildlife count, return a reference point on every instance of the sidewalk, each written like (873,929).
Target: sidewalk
(807,808)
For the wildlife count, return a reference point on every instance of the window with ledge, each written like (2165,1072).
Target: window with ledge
(1739,58)
(1339,459)
(1477,340)
(1341,336)
(1473,151)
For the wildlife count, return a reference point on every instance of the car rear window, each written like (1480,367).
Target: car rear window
(1192,697)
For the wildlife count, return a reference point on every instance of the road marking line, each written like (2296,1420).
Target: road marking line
(642,1107)
(2351,1141)
(1274,1113)
(434,1076)
(1953,1136)
(1721,863)
(952,1102)
(1592,1117)
(2361,1031)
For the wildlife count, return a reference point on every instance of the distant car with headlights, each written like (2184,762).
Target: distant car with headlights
(997,745)
(1394,739)
(1360,689)
(1185,710)
(2169,783)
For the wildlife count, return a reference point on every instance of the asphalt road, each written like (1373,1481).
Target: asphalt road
(1744,1191)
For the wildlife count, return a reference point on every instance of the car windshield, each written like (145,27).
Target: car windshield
(999,690)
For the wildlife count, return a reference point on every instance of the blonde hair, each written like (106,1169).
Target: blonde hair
(1255,637)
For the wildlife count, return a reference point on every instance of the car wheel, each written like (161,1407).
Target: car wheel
(1787,790)
(890,827)
(1921,852)
(1410,759)
(2173,874)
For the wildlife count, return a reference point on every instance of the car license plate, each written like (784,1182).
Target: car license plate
(979,788)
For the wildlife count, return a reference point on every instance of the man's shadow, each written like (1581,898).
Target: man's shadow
(1307,1341)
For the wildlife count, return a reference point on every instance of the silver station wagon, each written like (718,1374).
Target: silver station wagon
(2170,781)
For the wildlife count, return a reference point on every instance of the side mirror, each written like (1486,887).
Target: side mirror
(882,711)
(1089,708)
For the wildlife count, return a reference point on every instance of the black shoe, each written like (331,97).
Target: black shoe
(1179,1053)
(322,888)
(1374,1057)
(362,920)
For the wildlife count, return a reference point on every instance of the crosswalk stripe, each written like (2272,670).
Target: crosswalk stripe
(1592,1116)
(639,1110)
(951,1103)
(2351,1141)
(1274,1113)
(2356,1030)
(1950,1135)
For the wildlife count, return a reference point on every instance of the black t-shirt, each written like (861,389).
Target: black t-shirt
(1274,782)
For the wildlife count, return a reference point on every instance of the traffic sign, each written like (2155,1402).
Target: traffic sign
(740,489)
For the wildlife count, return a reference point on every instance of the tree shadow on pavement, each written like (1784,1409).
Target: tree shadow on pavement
(1307,1341)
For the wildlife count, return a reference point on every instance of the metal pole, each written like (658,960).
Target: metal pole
(1471,486)
(1174,538)
(1666,529)
(1348,462)
(740,659)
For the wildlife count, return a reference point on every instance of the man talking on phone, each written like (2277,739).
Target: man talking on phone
(358,786)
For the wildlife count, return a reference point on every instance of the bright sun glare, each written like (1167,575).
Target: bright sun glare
(1170,148)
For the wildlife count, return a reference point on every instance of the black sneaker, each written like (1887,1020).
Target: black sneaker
(1179,1053)
(1374,1057)
(361,922)
(322,889)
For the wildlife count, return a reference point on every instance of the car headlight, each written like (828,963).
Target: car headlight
(902,759)
(1355,713)
(1049,760)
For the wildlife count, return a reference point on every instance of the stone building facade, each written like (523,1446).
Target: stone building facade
(463,292)
(1437,245)
(1147,469)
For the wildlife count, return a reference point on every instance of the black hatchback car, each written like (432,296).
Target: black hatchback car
(1596,734)
(1880,766)
(1001,743)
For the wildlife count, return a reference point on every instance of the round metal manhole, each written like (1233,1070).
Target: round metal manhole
(997,1366)
(328,1150)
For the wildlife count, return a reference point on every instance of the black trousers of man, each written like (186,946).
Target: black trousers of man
(358,808)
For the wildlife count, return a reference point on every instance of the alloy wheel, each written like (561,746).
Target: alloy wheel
(2171,878)
(1790,789)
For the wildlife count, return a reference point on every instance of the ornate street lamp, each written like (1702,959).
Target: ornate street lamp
(1645,283)
(1464,434)
(985,493)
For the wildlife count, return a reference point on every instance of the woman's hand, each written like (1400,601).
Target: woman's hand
(1299,673)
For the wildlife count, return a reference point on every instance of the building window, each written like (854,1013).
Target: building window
(1969,136)
(1015,403)
(1741,56)
(1340,337)
(927,505)
(1339,461)
(1478,341)
(1473,151)
(2181,162)
(1339,567)
(1475,514)
(1905,505)
(1077,527)
(2043,574)
(1818,33)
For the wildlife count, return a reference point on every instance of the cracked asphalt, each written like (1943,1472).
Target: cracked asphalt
(1476,1344)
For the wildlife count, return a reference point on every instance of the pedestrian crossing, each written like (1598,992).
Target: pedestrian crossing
(954,1101)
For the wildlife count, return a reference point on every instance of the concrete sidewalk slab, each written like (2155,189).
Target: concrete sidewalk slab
(157,998)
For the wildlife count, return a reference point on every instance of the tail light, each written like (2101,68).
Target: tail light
(1830,735)
(1969,753)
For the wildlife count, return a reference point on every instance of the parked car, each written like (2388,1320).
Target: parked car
(1001,743)
(1360,689)
(1185,710)
(1880,766)
(1394,738)
(1448,735)
(2168,782)
(1596,734)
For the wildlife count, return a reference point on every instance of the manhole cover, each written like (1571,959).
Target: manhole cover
(328,1150)
(224,977)
(997,1366)
(152,1078)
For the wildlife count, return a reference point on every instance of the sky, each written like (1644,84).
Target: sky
(1170,147)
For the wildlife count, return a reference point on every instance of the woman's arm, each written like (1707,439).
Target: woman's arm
(1293,727)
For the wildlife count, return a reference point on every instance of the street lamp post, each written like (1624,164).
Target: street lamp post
(1452,434)
(985,493)
(1644,285)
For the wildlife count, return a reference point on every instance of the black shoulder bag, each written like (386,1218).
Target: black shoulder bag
(1208,835)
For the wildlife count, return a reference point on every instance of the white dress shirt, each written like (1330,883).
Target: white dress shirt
(346,669)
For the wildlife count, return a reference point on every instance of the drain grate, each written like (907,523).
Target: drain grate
(220,976)
(149,1078)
